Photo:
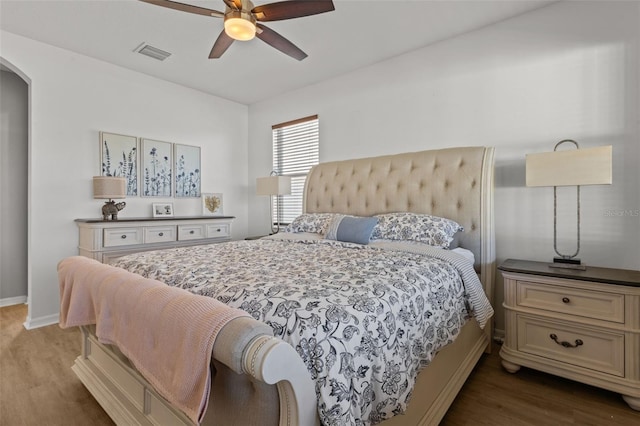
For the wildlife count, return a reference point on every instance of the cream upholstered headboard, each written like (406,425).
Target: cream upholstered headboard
(456,183)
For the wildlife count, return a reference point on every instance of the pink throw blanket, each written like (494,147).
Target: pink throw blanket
(167,333)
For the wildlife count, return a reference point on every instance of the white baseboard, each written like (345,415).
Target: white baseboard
(32,323)
(10,301)
(498,335)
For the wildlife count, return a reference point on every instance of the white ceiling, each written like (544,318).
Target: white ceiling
(358,33)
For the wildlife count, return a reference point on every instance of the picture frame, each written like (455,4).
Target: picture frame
(187,171)
(156,178)
(119,158)
(212,204)
(162,209)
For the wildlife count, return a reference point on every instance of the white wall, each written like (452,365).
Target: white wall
(13,188)
(569,70)
(73,98)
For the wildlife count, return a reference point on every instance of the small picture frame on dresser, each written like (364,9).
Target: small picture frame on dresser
(162,209)
(211,204)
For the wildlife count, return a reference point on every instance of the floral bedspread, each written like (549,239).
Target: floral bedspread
(364,320)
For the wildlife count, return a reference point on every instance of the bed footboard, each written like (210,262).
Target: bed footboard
(272,361)
(273,370)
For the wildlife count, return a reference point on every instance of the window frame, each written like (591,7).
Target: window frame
(303,147)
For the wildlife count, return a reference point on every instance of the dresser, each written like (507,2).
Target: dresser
(582,325)
(105,240)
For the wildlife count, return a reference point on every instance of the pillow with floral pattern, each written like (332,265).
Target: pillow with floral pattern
(433,230)
(316,223)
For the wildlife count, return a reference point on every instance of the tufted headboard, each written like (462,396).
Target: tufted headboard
(456,183)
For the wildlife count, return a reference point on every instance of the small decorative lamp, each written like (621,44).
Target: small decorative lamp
(591,166)
(108,188)
(277,186)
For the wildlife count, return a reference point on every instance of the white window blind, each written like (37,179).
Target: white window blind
(295,151)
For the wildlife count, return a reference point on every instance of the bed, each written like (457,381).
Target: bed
(260,379)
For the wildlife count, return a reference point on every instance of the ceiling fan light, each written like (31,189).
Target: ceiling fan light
(239,29)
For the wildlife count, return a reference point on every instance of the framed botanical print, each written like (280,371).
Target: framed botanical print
(187,171)
(211,204)
(119,158)
(157,168)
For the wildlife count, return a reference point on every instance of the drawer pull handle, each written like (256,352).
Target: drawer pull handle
(566,344)
(566,300)
(161,234)
(191,232)
(123,237)
(218,230)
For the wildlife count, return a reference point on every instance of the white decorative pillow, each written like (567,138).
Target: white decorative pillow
(433,230)
(316,223)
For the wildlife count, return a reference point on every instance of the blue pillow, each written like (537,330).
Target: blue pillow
(351,229)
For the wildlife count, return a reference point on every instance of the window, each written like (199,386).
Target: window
(295,151)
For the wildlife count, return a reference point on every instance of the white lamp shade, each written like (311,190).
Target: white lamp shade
(273,185)
(590,166)
(109,187)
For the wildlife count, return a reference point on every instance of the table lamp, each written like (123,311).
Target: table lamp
(108,188)
(576,167)
(274,186)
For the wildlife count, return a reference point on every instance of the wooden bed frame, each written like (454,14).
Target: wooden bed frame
(456,183)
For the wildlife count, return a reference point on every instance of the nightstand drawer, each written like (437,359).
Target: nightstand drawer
(581,302)
(191,232)
(218,231)
(572,344)
(122,237)
(159,234)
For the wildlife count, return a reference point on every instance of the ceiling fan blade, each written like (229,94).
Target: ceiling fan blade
(282,44)
(185,7)
(220,46)
(233,4)
(291,9)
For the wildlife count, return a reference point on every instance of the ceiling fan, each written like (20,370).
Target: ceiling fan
(242,21)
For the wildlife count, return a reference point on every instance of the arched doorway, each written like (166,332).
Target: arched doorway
(14,185)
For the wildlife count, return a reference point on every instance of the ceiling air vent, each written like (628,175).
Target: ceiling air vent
(152,52)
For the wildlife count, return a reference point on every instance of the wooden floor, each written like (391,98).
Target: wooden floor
(37,387)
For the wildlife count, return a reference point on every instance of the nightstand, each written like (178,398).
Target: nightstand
(582,325)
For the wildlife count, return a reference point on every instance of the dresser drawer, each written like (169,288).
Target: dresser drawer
(115,237)
(218,231)
(159,234)
(586,347)
(581,302)
(191,232)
